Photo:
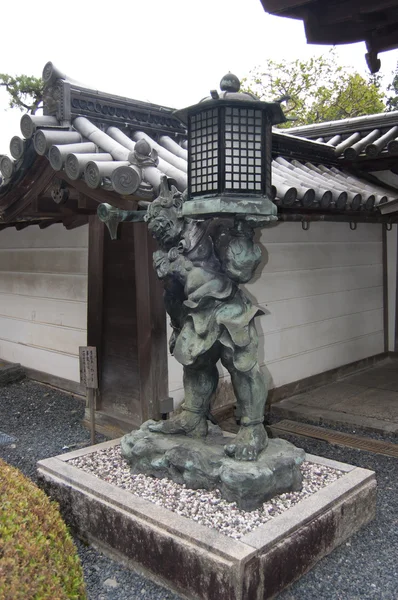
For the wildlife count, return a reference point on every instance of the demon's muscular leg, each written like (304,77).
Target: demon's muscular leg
(251,394)
(200,383)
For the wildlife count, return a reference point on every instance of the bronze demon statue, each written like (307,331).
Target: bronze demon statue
(202,264)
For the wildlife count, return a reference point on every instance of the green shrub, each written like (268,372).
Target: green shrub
(38,559)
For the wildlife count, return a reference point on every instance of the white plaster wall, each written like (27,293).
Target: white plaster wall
(43,298)
(322,291)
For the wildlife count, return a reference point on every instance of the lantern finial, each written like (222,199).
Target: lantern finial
(230,83)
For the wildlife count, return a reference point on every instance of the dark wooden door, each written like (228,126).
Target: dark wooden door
(126,322)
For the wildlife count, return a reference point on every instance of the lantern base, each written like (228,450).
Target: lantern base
(230,205)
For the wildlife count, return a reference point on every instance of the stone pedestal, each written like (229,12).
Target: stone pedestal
(202,464)
(201,563)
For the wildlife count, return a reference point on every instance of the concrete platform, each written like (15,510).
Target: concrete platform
(201,563)
(366,400)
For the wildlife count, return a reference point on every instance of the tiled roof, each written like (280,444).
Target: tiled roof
(362,137)
(108,159)
(327,187)
(134,165)
(123,147)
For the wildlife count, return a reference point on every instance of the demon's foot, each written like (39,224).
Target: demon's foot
(249,442)
(186,423)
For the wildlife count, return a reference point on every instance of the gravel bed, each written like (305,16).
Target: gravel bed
(47,422)
(205,507)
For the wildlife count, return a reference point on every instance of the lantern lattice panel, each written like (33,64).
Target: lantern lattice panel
(243,156)
(204,152)
(226,151)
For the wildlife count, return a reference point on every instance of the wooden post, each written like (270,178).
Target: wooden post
(146,358)
(95,290)
(127,325)
(396,291)
(91,406)
(385,289)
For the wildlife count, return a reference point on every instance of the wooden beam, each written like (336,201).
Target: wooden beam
(303,215)
(40,218)
(278,7)
(385,39)
(363,165)
(47,193)
(55,381)
(34,205)
(332,12)
(72,204)
(84,202)
(302,149)
(21,195)
(340,33)
(45,224)
(337,22)
(23,225)
(320,31)
(74,221)
(43,205)
(366,12)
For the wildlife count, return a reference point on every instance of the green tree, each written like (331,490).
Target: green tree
(392,88)
(319,89)
(26,92)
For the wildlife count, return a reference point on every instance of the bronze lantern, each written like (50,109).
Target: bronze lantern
(230,152)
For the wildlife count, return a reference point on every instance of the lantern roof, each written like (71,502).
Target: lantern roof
(231,94)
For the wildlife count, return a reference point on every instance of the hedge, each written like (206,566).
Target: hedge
(38,559)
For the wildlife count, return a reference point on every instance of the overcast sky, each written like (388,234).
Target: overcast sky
(169,52)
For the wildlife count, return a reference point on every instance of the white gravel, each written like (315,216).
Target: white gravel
(207,508)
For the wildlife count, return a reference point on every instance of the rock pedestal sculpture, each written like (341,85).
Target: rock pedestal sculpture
(203,464)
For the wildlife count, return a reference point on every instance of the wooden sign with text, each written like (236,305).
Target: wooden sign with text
(88,366)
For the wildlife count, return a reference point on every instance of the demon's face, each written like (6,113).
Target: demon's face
(164,218)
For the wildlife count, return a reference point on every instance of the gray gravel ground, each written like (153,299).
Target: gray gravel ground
(47,422)
(365,567)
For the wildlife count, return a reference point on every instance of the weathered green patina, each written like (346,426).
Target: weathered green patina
(201,264)
(206,249)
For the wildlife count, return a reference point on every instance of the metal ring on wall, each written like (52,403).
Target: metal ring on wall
(305,225)
(388,226)
(353,226)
